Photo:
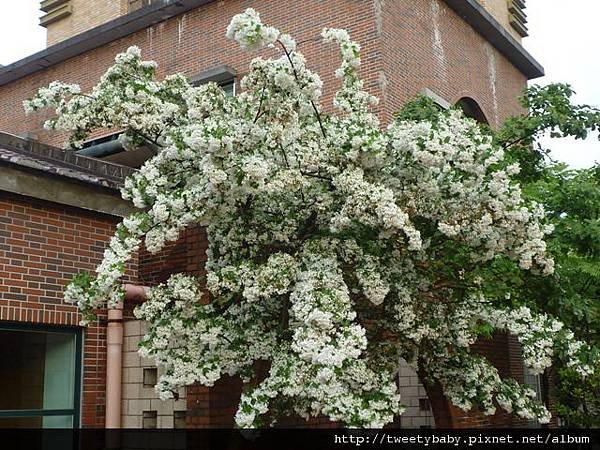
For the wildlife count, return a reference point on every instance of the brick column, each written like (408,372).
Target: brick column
(213,407)
(548,381)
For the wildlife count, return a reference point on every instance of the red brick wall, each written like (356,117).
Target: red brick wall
(156,268)
(192,43)
(504,352)
(427,45)
(42,245)
(399,59)
(549,383)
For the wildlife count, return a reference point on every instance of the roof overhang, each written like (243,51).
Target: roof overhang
(66,163)
(64,191)
(482,21)
(96,37)
(40,171)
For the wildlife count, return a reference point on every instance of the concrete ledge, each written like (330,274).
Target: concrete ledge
(32,154)
(62,191)
(49,5)
(439,100)
(57,14)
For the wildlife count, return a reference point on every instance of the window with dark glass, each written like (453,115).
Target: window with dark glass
(39,376)
(150,375)
(228,86)
(149,419)
(224,76)
(179,419)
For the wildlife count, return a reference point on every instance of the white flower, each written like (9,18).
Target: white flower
(249,32)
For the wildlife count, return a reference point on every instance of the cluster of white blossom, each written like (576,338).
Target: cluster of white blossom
(373,205)
(369,276)
(141,108)
(250,32)
(469,380)
(541,337)
(221,342)
(51,96)
(449,173)
(336,246)
(325,372)
(351,97)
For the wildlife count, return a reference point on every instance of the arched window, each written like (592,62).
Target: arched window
(472,109)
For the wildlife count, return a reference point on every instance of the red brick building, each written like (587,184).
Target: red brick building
(59,208)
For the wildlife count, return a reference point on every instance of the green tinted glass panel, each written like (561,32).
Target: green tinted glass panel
(57,422)
(38,378)
(59,371)
(229,87)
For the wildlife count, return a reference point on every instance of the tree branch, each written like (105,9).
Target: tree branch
(289,58)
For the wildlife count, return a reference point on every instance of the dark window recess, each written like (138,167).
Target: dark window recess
(179,419)
(150,377)
(472,109)
(149,419)
(224,76)
(102,146)
(102,140)
(424,404)
(228,87)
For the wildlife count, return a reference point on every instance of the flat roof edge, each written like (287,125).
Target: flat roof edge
(482,21)
(96,37)
(108,174)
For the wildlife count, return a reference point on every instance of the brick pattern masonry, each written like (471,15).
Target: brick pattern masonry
(138,397)
(42,246)
(407,46)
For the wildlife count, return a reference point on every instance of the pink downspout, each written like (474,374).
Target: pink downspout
(114,355)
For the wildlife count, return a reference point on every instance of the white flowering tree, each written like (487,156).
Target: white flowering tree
(336,245)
